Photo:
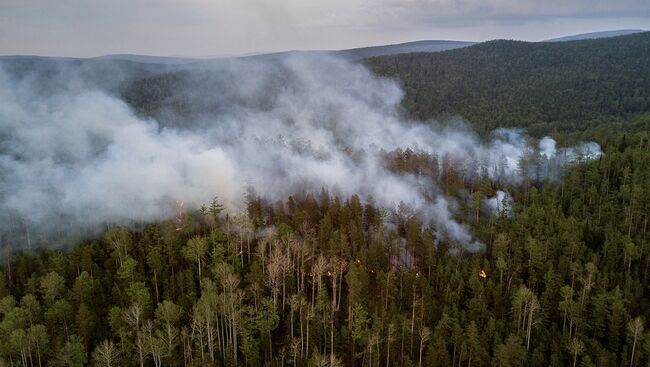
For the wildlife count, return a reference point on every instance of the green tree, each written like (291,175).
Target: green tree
(71,354)
(52,286)
(195,251)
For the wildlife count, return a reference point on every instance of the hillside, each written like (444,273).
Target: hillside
(595,35)
(401,48)
(544,87)
(356,54)
(563,86)
(100,73)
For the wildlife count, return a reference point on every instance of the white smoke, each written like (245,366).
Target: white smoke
(584,151)
(499,204)
(547,147)
(448,228)
(83,157)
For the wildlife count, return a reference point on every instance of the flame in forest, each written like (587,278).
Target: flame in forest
(482,274)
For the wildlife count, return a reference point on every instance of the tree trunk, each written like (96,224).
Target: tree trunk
(633,349)
(155,283)
(200,272)
(412,322)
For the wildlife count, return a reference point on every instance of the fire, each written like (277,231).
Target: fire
(482,274)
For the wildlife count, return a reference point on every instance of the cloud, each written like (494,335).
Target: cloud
(455,12)
(209,27)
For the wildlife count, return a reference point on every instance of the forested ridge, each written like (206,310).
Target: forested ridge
(321,280)
(544,87)
(541,86)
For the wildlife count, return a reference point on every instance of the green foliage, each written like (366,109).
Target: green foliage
(541,86)
(328,281)
(71,354)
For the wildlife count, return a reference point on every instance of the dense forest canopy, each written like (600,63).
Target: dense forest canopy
(324,280)
(549,264)
(542,86)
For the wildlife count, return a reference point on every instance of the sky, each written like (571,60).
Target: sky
(203,28)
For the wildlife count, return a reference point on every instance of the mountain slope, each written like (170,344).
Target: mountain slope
(400,48)
(563,86)
(355,54)
(541,86)
(96,73)
(595,35)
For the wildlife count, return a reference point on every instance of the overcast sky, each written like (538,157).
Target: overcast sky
(218,27)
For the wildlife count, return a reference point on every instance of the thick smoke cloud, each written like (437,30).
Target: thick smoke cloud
(82,157)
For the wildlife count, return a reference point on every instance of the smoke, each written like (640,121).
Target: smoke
(499,204)
(448,228)
(82,157)
(547,147)
(584,151)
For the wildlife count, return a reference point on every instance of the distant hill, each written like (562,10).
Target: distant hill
(150,59)
(100,73)
(401,48)
(350,54)
(595,35)
(358,53)
(355,54)
(543,86)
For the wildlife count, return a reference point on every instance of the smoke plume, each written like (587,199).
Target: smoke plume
(82,156)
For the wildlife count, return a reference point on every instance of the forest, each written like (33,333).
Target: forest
(541,86)
(319,278)
(322,280)
(544,87)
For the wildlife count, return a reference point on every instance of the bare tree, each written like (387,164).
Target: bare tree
(168,315)
(106,354)
(389,338)
(274,270)
(576,346)
(525,305)
(425,333)
(133,317)
(155,344)
(317,270)
(245,228)
(635,327)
